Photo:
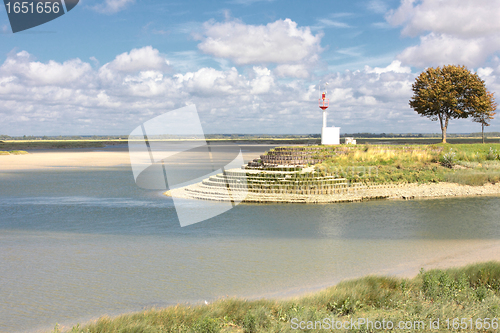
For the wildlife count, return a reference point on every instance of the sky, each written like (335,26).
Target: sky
(249,66)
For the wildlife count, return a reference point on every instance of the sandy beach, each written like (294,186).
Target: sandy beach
(63,159)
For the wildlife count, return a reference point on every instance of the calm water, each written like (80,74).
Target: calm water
(77,244)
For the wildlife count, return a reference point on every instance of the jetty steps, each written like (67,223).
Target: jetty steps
(283,174)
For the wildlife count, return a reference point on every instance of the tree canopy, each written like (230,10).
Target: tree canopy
(452,92)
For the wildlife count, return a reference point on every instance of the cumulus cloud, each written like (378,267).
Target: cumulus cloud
(278,42)
(27,71)
(395,67)
(118,96)
(464,32)
(466,18)
(295,70)
(440,49)
(112,6)
(145,58)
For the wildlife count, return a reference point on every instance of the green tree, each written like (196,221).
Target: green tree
(484,117)
(450,92)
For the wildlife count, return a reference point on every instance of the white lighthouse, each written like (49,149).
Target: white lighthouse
(329,135)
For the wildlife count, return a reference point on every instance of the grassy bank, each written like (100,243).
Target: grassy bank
(469,164)
(471,292)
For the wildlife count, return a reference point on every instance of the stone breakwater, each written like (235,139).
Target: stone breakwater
(295,157)
(394,192)
(283,175)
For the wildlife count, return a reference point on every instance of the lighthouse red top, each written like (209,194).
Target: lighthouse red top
(323,101)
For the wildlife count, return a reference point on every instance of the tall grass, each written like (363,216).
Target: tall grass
(380,164)
(468,292)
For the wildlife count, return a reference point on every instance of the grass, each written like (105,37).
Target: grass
(469,164)
(471,292)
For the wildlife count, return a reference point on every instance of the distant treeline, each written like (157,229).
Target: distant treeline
(250,136)
(419,135)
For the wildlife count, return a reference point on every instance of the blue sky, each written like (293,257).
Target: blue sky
(249,66)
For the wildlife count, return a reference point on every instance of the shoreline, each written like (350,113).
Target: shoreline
(53,159)
(411,191)
(295,295)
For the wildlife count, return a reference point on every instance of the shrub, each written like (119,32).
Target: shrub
(449,159)
(492,155)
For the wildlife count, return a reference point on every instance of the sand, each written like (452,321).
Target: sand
(63,159)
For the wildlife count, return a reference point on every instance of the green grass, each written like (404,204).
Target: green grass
(470,164)
(469,292)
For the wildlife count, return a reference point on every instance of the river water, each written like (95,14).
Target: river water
(79,243)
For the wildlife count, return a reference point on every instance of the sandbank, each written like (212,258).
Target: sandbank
(63,159)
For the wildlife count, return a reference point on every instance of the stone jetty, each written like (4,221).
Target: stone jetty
(287,175)
(283,174)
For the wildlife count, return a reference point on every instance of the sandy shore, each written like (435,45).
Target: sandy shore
(451,254)
(63,159)
(404,192)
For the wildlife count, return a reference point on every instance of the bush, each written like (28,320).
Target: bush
(492,155)
(449,159)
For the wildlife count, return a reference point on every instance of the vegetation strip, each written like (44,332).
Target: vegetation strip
(357,173)
(471,293)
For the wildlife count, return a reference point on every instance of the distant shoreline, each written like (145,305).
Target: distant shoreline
(7,144)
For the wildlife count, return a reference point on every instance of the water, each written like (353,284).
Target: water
(76,244)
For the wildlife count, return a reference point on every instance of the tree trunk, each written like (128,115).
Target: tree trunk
(443,127)
(482,131)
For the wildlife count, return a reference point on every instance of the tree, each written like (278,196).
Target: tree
(450,92)
(484,117)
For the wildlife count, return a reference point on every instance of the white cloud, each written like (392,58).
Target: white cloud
(210,82)
(139,59)
(395,67)
(31,72)
(464,18)
(296,70)
(461,32)
(377,6)
(278,42)
(112,6)
(263,82)
(440,49)
(109,100)
(329,23)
